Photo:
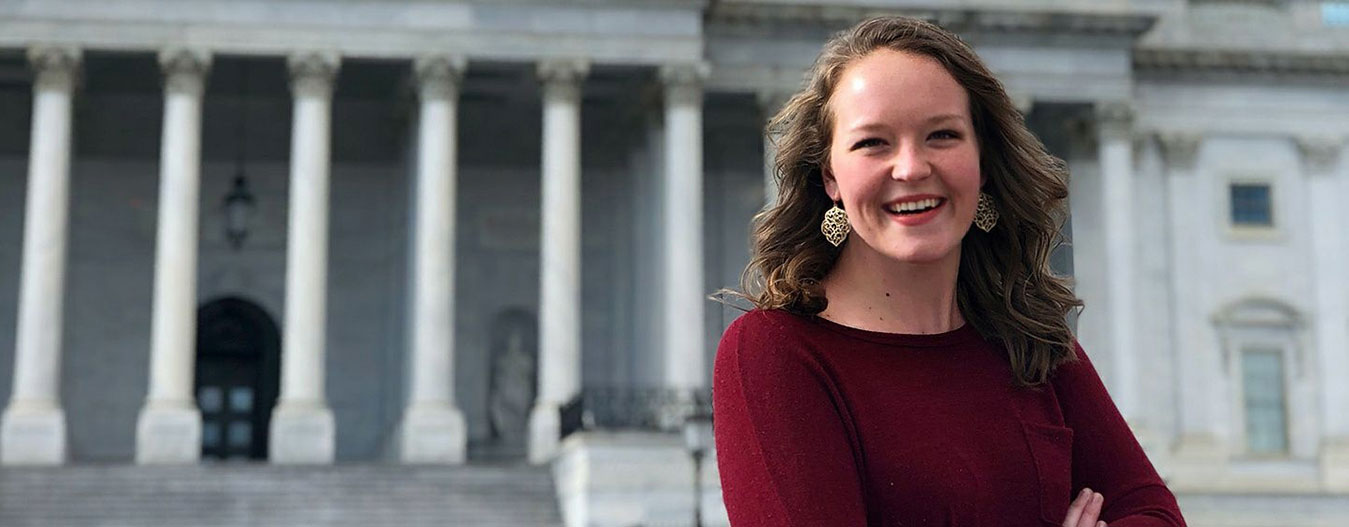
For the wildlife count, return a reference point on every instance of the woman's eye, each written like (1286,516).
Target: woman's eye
(944,134)
(870,141)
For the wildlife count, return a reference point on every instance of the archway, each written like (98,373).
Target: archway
(237,377)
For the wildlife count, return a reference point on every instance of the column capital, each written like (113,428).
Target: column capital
(1320,153)
(684,82)
(563,77)
(184,69)
(1180,150)
(439,76)
(55,66)
(313,72)
(1115,118)
(562,73)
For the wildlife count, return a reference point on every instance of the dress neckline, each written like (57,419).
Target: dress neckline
(963,336)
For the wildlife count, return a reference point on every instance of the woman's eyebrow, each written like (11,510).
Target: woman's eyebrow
(944,117)
(867,126)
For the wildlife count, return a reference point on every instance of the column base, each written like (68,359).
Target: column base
(1335,464)
(33,435)
(617,479)
(168,434)
(545,430)
(302,434)
(433,434)
(1197,458)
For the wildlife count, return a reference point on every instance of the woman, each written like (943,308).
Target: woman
(902,368)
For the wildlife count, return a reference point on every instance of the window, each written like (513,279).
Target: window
(1251,205)
(1264,402)
(1264,358)
(1335,14)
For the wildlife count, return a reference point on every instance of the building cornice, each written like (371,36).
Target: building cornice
(1131,25)
(647,32)
(1239,61)
(1259,3)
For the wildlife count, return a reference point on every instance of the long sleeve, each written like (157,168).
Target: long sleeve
(784,449)
(1106,456)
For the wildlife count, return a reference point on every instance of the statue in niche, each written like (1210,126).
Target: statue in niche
(514,377)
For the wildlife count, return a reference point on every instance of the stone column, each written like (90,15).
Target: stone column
(302,428)
(433,427)
(684,301)
(1115,120)
(33,429)
(1192,344)
(1326,197)
(169,428)
(770,101)
(560,255)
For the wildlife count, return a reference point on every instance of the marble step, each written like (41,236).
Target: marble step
(265,495)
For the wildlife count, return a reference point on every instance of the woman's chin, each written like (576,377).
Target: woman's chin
(911,250)
(920,254)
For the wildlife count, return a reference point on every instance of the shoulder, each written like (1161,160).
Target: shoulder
(1075,370)
(767,354)
(759,327)
(1075,362)
(766,336)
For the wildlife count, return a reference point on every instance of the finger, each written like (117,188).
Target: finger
(1075,508)
(1101,524)
(1092,512)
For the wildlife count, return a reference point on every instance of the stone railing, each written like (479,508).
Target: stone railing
(634,408)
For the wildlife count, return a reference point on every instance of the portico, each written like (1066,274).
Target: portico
(303,426)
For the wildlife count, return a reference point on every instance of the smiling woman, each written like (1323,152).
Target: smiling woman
(906,168)
(902,368)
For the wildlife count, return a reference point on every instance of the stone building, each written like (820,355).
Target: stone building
(402,235)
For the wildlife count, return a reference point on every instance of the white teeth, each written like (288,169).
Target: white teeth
(921,204)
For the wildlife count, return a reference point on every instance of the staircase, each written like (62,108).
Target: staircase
(231,494)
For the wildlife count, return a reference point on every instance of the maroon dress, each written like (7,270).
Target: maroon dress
(822,424)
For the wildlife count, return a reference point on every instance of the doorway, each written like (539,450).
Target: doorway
(237,378)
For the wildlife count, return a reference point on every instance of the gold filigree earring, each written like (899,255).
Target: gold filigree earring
(835,226)
(985,214)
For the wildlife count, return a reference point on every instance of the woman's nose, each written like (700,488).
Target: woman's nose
(910,164)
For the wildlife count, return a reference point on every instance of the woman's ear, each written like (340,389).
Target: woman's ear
(830,185)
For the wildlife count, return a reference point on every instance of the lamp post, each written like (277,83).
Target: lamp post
(239,202)
(697,429)
(238,205)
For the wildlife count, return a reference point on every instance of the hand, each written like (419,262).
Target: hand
(1085,510)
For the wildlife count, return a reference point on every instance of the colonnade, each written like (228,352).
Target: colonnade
(168,431)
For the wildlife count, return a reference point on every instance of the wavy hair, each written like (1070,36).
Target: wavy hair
(1005,287)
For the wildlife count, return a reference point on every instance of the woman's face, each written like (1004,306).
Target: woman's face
(904,159)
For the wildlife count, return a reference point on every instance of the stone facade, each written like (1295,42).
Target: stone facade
(468,214)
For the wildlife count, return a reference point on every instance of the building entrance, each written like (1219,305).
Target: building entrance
(237,378)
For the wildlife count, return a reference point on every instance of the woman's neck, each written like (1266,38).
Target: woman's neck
(867,290)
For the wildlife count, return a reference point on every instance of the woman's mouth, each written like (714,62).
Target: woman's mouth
(915,212)
(914,207)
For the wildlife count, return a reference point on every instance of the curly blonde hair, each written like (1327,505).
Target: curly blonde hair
(1005,287)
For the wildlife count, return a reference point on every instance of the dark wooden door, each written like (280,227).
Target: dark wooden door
(238,355)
